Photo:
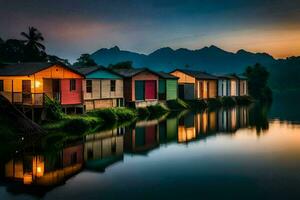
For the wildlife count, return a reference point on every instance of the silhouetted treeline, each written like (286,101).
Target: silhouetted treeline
(29,48)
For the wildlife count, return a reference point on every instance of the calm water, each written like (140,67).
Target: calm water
(239,153)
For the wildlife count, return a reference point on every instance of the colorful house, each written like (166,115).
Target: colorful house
(232,85)
(29,83)
(243,85)
(140,86)
(102,88)
(195,84)
(168,86)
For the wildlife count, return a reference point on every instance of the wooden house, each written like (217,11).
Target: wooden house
(243,85)
(168,86)
(140,86)
(29,83)
(232,85)
(195,84)
(102,88)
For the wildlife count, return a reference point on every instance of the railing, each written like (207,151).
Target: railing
(22,98)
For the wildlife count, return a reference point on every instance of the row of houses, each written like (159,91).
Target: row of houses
(99,87)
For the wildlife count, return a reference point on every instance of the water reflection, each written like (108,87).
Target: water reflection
(97,152)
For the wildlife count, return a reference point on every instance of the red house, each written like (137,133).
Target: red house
(140,86)
(27,84)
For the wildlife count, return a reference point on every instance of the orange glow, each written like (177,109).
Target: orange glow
(27,179)
(186,134)
(38,166)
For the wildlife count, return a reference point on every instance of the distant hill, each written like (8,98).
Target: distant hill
(211,59)
(285,74)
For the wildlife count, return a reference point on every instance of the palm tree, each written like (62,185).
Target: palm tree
(34,38)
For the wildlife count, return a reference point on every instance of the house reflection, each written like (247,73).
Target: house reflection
(143,138)
(103,149)
(45,170)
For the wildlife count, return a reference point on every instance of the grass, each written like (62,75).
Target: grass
(177,104)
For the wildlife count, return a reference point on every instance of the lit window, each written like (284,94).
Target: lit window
(89,86)
(72,84)
(112,85)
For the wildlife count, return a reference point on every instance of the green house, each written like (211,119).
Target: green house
(167,87)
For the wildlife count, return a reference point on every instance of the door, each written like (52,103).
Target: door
(201,90)
(150,87)
(181,91)
(26,92)
(56,89)
(139,90)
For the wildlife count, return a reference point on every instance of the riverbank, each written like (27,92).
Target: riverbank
(110,117)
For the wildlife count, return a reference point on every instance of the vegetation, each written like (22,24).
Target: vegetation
(53,109)
(258,83)
(85,60)
(177,104)
(285,74)
(121,65)
(214,103)
(228,101)
(29,49)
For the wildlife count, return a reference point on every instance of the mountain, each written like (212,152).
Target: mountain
(212,59)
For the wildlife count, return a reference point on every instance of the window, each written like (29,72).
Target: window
(1,86)
(112,85)
(89,86)
(72,84)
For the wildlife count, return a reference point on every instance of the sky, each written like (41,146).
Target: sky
(73,27)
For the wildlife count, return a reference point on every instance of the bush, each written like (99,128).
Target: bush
(53,109)
(143,113)
(228,101)
(80,125)
(177,104)
(108,115)
(157,110)
(125,114)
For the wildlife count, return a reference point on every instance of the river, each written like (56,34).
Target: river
(238,153)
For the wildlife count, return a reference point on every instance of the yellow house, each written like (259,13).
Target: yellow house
(196,84)
(28,83)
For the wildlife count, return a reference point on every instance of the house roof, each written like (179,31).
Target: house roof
(233,76)
(198,74)
(127,73)
(166,75)
(86,70)
(26,69)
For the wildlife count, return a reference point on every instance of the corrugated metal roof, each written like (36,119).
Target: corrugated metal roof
(26,69)
(198,74)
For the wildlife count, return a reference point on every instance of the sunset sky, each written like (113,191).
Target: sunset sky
(72,27)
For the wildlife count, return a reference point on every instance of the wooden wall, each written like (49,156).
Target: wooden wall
(144,76)
(101,89)
(71,97)
(183,78)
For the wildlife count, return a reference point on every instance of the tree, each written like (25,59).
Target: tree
(258,82)
(85,60)
(52,58)
(34,49)
(34,38)
(121,65)
(12,51)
